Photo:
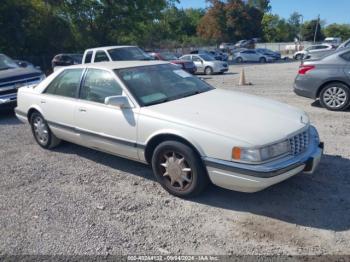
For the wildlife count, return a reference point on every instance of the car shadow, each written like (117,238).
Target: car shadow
(8,117)
(321,200)
(317,104)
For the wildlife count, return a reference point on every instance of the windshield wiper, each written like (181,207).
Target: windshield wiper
(160,101)
(190,94)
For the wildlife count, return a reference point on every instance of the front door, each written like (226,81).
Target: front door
(107,128)
(198,62)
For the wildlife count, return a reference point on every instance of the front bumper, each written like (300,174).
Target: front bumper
(8,100)
(254,178)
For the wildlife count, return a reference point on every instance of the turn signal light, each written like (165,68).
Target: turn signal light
(303,69)
(236,153)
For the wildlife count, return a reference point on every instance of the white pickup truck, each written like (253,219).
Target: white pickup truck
(114,53)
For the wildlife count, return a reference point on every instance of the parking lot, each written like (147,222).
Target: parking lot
(74,200)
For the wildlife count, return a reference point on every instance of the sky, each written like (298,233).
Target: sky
(331,11)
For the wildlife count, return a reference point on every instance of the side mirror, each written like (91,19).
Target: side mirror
(118,101)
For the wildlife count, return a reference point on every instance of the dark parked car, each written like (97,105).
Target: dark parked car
(188,66)
(12,76)
(22,63)
(204,52)
(66,60)
(268,52)
(222,56)
(326,79)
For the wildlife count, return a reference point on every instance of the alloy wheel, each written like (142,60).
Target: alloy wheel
(41,130)
(176,171)
(335,97)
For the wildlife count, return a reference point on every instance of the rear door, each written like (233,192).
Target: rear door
(58,103)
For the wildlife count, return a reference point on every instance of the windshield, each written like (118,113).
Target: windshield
(168,56)
(128,54)
(157,84)
(207,57)
(7,63)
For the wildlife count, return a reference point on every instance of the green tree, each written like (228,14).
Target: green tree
(309,28)
(295,24)
(338,30)
(231,20)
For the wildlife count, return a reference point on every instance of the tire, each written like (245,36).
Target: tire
(208,70)
(335,97)
(299,57)
(42,133)
(239,60)
(179,169)
(262,60)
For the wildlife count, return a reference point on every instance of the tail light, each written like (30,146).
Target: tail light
(303,69)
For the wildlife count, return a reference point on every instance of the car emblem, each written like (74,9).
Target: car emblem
(303,120)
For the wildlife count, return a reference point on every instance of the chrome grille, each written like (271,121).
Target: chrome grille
(299,143)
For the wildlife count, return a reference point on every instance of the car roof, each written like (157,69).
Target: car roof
(119,64)
(105,48)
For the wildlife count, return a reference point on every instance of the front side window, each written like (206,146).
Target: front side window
(101,56)
(98,85)
(160,83)
(207,58)
(66,84)
(196,59)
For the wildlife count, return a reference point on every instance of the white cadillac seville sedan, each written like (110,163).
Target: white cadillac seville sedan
(189,132)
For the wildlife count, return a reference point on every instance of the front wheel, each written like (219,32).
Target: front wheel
(239,60)
(335,97)
(42,133)
(208,70)
(178,169)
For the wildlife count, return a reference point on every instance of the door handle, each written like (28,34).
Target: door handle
(82,109)
(43,101)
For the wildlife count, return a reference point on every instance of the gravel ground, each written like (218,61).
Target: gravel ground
(74,200)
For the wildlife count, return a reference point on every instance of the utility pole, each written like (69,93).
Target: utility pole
(316,29)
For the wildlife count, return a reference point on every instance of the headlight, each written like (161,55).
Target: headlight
(262,154)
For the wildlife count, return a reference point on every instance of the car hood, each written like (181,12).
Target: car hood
(15,74)
(253,120)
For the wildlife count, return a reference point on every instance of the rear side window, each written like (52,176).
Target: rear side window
(346,56)
(66,84)
(98,85)
(88,57)
(101,56)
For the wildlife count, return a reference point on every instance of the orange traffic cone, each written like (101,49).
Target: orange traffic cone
(242,79)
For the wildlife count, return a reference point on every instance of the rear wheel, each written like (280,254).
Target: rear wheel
(208,70)
(239,60)
(42,133)
(262,60)
(299,57)
(178,169)
(335,97)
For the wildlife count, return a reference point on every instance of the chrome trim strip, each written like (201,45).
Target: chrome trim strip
(31,79)
(100,136)
(272,168)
